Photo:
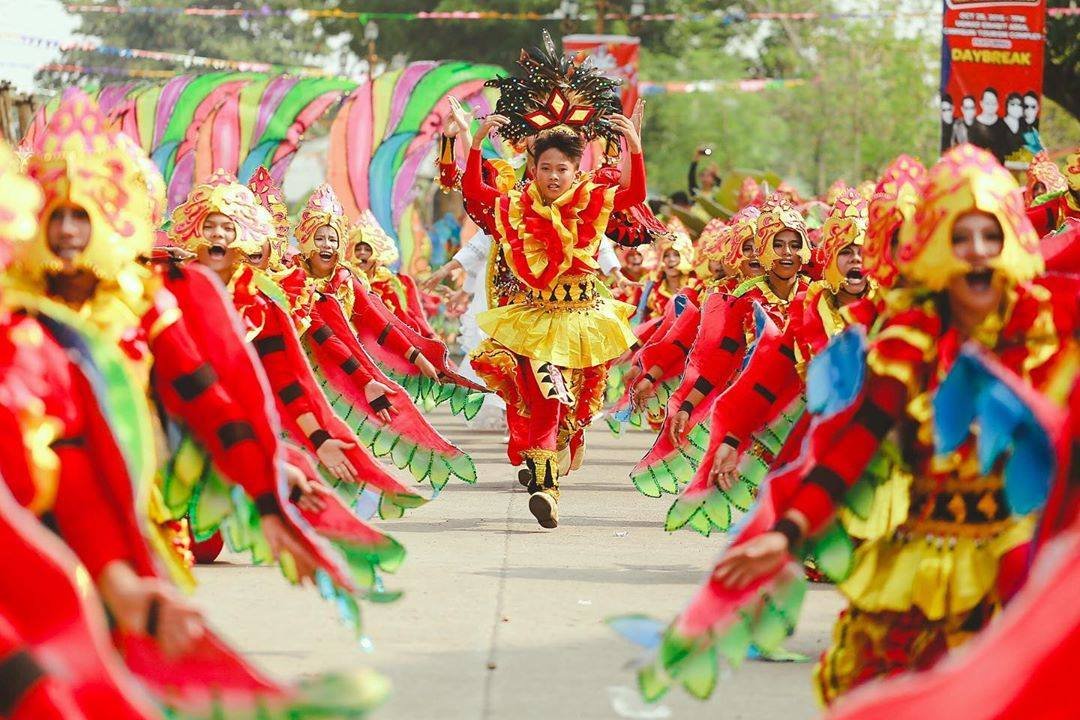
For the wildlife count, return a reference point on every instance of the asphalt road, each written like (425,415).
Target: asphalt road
(502,619)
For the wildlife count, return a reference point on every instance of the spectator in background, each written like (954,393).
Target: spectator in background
(946,121)
(709,177)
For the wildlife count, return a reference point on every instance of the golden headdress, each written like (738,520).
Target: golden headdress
(845,225)
(1072,170)
(78,161)
(967,179)
(893,204)
(20,200)
(677,239)
(1043,170)
(150,176)
(367,229)
(749,193)
(323,209)
(710,243)
(222,193)
(778,214)
(838,188)
(270,196)
(742,227)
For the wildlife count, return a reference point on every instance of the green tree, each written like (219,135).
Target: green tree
(1061,75)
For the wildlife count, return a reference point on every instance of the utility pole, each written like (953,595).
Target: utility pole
(601,16)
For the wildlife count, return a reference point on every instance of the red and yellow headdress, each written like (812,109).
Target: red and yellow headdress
(778,214)
(367,229)
(20,200)
(967,179)
(270,196)
(677,239)
(845,225)
(79,161)
(838,188)
(1043,170)
(222,193)
(323,209)
(749,193)
(893,203)
(150,176)
(1072,170)
(710,243)
(742,227)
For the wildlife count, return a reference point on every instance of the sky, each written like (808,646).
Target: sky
(40,18)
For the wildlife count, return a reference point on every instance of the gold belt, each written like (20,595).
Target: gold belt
(574,292)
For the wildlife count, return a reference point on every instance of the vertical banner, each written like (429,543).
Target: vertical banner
(616,56)
(992,75)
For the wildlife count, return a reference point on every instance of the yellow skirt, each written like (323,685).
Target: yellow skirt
(575,335)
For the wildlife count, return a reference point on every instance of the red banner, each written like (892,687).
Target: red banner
(616,56)
(992,75)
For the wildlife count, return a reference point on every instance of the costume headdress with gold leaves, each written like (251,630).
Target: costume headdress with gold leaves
(367,229)
(222,193)
(148,173)
(838,188)
(710,243)
(750,193)
(967,179)
(742,227)
(677,239)
(270,196)
(20,200)
(779,214)
(323,209)
(557,91)
(78,161)
(1072,170)
(893,204)
(1043,170)
(845,225)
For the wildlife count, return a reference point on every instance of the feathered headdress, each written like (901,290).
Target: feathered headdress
(79,161)
(557,91)
(222,193)
(967,179)
(323,209)
(893,204)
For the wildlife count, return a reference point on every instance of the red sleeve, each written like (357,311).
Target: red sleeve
(841,461)
(473,186)
(370,310)
(189,389)
(332,349)
(768,380)
(85,513)
(284,378)
(717,359)
(636,192)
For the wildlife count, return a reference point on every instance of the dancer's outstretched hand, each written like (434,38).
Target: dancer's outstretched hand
(626,128)
(332,456)
(280,538)
(725,462)
(458,120)
(743,564)
(490,124)
(384,409)
(678,427)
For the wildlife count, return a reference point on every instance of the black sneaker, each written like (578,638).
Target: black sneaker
(544,509)
(525,476)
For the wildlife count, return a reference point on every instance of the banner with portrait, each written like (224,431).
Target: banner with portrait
(991,76)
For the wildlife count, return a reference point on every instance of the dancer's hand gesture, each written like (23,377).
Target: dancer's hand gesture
(745,563)
(723,473)
(679,426)
(458,120)
(490,124)
(626,128)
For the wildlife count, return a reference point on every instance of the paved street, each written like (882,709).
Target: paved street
(502,619)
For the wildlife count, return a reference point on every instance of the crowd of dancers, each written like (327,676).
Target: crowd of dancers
(876,389)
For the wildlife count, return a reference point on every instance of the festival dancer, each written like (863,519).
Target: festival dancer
(971,256)
(549,346)
(674,275)
(347,322)
(727,327)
